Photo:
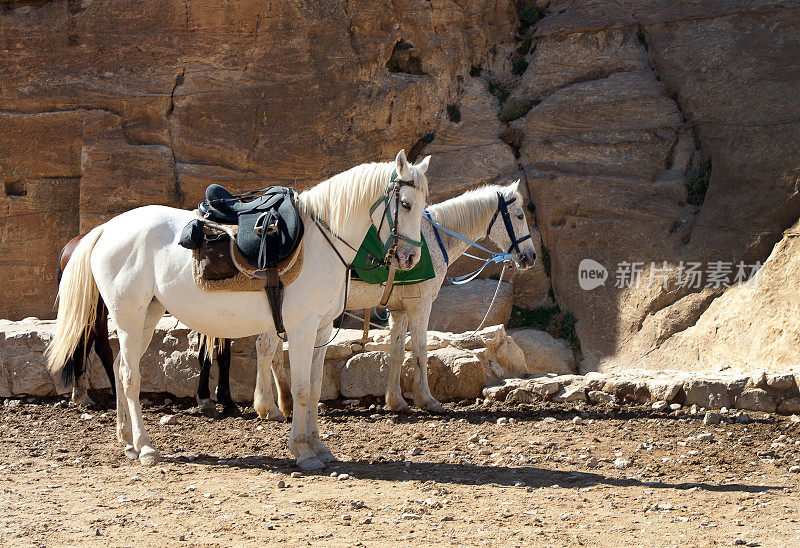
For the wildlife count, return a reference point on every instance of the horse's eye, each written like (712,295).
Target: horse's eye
(406,204)
(520,216)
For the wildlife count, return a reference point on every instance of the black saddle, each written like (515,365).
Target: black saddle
(270,229)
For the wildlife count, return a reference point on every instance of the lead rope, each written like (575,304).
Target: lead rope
(491,304)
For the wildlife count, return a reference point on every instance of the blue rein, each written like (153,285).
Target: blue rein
(495,257)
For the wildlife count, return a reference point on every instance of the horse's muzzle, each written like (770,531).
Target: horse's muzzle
(525,260)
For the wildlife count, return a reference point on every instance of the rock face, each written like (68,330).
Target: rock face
(109,105)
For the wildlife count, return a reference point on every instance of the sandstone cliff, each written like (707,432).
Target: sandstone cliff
(645,131)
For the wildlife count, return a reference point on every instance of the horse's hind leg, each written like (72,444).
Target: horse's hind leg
(134,337)
(263,399)
(80,381)
(398,326)
(301,350)
(222,351)
(204,402)
(102,346)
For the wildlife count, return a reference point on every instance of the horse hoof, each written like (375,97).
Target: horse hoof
(208,408)
(311,463)
(433,406)
(398,406)
(326,456)
(149,456)
(131,453)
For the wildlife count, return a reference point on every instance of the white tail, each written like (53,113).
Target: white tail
(77,304)
(206,344)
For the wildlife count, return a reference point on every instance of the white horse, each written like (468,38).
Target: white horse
(475,214)
(135,263)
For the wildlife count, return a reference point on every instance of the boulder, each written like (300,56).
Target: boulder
(364,375)
(453,374)
(460,308)
(756,399)
(711,394)
(543,352)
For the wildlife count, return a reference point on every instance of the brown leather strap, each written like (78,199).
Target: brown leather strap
(366,323)
(387,292)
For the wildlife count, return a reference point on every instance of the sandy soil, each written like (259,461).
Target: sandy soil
(414,479)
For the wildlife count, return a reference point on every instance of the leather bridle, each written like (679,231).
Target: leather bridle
(502,210)
(392,194)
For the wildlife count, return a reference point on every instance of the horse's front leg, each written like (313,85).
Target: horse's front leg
(312,423)
(263,399)
(398,326)
(301,349)
(418,325)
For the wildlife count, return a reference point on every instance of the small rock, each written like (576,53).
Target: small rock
(168,419)
(343,477)
(86,416)
(661,405)
(502,420)
(705,436)
(675,406)
(743,418)
(357,504)
(281,484)
(592,462)
(413,452)
(409,515)
(347,517)
(577,420)
(597,396)
(794,469)
(296,475)
(621,463)
(334,474)
(712,418)
(447,518)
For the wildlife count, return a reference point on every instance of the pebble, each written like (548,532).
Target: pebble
(409,515)
(794,469)
(577,420)
(621,463)
(347,517)
(12,403)
(660,405)
(357,504)
(334,474)
(343,477)
(474,438)
(502,420)
(705,436)
(367,521)
(414,451)
(743,418)
(296,475)
(168,419)
(419,436)
(86,416)
(592,462)
(281,484)
(794,418)
(712,418)
(674,406)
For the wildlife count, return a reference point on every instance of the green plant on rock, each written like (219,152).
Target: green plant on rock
(558,323)
(697,183)
(519,66)
(515,108)
(500,91)
(529,16)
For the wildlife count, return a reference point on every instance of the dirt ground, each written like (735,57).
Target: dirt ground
(624,476)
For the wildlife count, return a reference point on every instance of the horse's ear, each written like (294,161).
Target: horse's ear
(423,165)
(401,165)
(515,186)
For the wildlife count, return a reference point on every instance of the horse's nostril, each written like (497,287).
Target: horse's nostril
(411,258)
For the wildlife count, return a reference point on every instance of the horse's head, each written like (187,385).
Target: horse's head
(509,228)
(401,219)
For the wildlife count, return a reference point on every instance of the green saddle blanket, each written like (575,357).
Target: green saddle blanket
(372,274)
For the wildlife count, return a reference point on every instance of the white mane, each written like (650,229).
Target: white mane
(470,213)
(338,199)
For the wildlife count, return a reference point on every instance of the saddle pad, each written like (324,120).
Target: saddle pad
(370,274)
(289,270)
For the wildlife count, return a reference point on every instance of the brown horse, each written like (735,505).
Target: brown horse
(72,373)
